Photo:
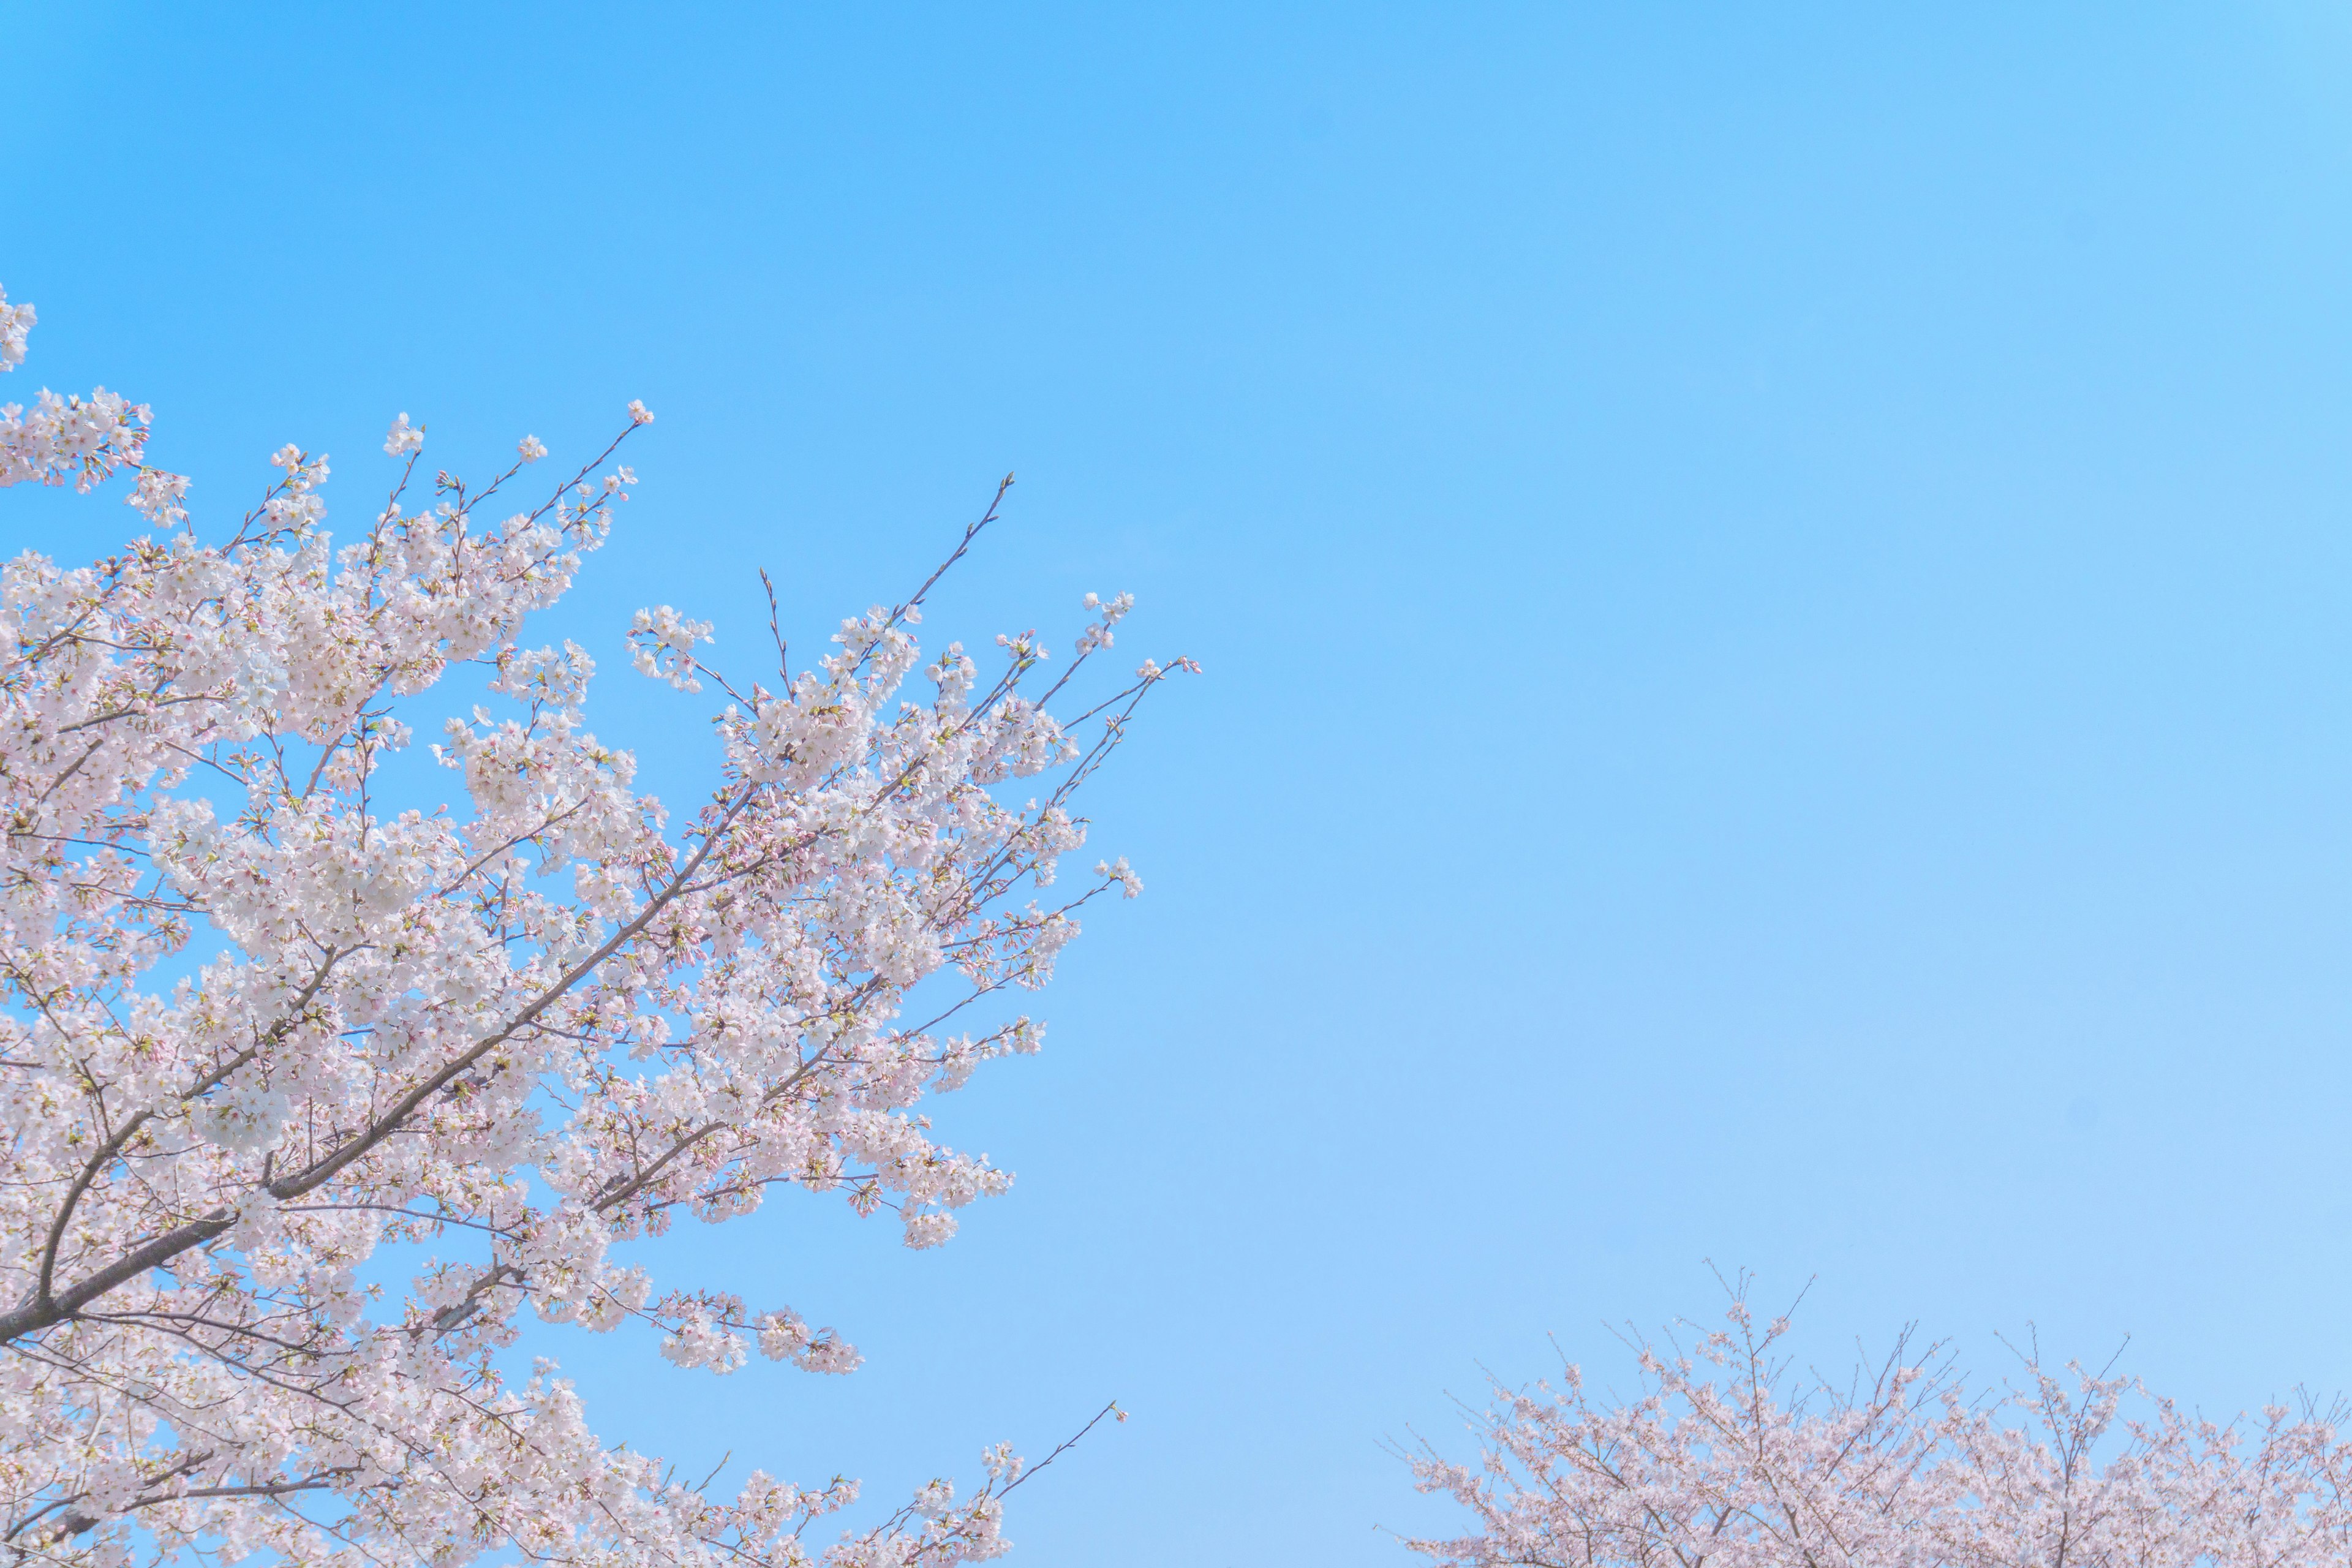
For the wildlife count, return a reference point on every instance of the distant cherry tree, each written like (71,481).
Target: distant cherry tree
(1723,1456)
(266,1037)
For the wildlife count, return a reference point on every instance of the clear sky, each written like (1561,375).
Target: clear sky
(1774,583)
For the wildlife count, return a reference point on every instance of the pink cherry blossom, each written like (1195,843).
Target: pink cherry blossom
(1722,1455)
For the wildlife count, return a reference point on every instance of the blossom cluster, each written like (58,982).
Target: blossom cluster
(1723,1457)
(266,1037)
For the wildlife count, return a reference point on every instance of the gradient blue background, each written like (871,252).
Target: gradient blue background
(1774,589)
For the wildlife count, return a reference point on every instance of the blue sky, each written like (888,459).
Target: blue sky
(1774,588)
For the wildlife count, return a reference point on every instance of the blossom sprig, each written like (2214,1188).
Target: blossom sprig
(551,1018)
(15,325)
(69,439)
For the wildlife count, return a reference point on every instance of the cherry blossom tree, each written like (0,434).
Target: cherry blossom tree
(270,1042)
(1724,1456)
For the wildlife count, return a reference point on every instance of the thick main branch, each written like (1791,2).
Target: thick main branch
(46,1309)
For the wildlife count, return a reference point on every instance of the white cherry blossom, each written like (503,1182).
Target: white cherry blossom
(269,1039)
